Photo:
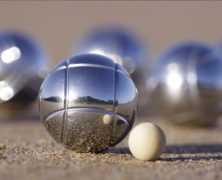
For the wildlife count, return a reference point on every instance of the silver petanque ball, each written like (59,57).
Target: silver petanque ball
(186,84)
(120,45)
(88,103)
(23,64)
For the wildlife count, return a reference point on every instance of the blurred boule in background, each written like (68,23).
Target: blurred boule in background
(186,84)
(23,65)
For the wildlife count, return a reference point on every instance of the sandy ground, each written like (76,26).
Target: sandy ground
(27,152)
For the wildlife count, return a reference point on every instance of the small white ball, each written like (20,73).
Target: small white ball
(147,141)
(107,119)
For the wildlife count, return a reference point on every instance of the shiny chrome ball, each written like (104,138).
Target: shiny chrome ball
(120,45)
(186,83)
(88,103)
(22,66)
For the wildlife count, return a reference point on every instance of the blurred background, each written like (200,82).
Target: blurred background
(58,25)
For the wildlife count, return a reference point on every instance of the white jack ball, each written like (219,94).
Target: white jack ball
(147,141)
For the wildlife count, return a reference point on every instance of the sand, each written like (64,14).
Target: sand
(28,152)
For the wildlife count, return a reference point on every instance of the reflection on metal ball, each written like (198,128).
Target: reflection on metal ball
(120,45)
(22,66)
(186,84)
(88,103)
